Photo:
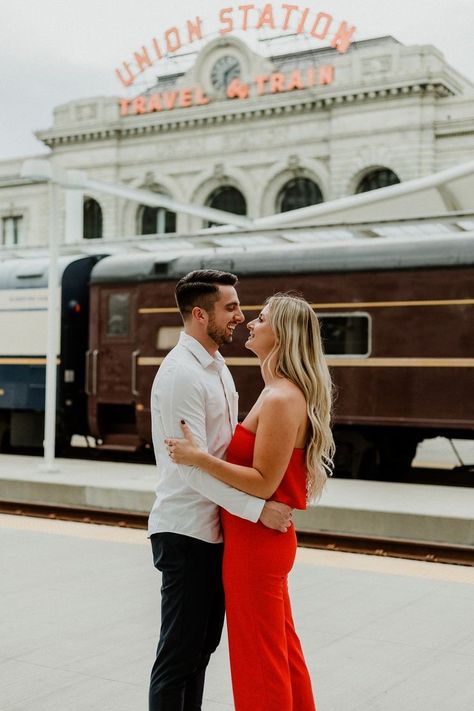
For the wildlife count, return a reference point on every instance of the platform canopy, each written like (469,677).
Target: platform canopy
(432,206)
(448,191)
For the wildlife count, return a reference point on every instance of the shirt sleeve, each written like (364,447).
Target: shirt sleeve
(187,402)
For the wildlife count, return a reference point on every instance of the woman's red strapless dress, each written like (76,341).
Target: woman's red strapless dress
(267,664)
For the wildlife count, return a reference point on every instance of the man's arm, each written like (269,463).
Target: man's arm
(185,400)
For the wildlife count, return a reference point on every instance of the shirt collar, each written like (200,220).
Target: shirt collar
(199,352)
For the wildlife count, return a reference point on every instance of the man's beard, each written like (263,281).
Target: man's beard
(218,335)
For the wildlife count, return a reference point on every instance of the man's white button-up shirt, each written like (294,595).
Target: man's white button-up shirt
(194,386)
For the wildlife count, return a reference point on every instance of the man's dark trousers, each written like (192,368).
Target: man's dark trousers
(192,616)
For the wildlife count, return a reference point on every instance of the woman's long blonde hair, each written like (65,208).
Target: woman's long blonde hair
(298,356)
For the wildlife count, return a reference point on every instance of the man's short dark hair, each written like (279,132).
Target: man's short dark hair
(201,288)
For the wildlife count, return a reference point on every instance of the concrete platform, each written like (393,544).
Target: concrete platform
(80,614)
(426,513)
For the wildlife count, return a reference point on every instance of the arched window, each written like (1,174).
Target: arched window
(298,192)
(226,198)
(155,220)
(379,178)
(92,215)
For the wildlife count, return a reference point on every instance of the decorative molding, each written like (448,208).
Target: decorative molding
(304,102)
(368,158)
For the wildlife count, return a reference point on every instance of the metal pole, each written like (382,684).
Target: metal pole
(53,333)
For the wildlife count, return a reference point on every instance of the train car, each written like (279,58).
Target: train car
(397,320)
(23,329)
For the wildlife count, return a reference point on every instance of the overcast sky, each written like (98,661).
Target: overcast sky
(54,51)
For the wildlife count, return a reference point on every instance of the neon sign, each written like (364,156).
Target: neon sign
(301,20)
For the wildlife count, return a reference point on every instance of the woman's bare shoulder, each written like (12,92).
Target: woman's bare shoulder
(285,392)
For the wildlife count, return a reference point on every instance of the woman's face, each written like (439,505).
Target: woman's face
(262,337)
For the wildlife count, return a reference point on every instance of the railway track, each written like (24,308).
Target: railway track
(369,545)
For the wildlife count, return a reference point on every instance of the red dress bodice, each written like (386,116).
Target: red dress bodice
(292,488)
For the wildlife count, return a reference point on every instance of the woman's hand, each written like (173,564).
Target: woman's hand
(184,451)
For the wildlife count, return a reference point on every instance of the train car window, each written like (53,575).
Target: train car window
(167,337)
(345,334)
(117,314)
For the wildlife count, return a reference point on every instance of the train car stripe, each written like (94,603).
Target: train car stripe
(26,361)
(335,305)
(352,362)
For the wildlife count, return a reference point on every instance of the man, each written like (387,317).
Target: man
(193,384)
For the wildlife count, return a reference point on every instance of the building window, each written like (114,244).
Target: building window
(345,334)
(92,213)
(380,178)
(298,192)
(228,199)
(12,230)
(155,220)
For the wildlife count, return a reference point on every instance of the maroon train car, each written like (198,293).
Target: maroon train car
(397,320)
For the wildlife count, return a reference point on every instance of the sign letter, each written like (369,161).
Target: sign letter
(200,98)
(300,27)
(123,103)
(185,98)
(194,30)
(295,81)
(266,18)
(343,37)
(170,99)
(260,82)
(321,18)
(326,74)
(157,49)
(154,104)
(170,35)
(139,105)
(289,9)
(277,82)
(142,60)
(228,21)
(127,80)
(245,9)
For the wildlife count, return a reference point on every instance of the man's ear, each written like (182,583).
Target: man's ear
(199,314)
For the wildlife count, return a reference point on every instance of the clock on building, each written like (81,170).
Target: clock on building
(224,70)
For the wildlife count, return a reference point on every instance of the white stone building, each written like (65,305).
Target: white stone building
(312,126)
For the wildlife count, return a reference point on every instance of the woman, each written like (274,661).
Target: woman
(282,451)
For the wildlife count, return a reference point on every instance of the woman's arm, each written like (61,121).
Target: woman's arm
(279,420)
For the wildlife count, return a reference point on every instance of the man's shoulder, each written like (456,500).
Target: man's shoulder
(179,365)
(179,357)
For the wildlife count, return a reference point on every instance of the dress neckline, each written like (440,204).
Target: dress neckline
(254,434)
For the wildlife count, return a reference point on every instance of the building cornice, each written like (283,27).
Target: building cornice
(454,127)
(227,112)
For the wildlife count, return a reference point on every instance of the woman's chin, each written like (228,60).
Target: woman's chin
(248,345)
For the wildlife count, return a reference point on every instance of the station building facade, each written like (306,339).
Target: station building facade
(250,134)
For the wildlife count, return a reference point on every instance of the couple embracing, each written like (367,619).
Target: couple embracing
(237,483)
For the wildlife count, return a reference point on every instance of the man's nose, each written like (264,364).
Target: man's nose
(239,316)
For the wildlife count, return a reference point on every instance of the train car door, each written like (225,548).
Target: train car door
(111,366)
